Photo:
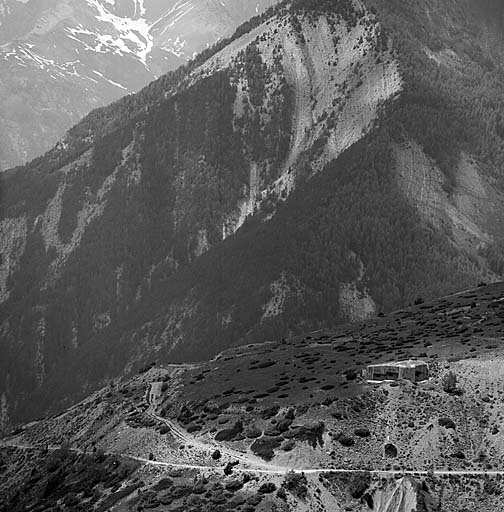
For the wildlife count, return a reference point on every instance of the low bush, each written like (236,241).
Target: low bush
(267,488)
(164,483)
(270,412)
(313,434)
(234,485)
(296,484)
(253,432)
(229,434)
(446,423)
(491,487)
(289,445)
(359,484)
(391,450)
(265,447)
(449,382)
(344,440)
(282,494)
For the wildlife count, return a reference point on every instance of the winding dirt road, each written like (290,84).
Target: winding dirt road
(251,463)
(274,470)
(206,446)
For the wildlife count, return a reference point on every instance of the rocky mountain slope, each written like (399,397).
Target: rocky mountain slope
(321,166)
(288,425)
(59,59)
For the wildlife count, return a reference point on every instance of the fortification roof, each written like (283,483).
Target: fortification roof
(410,363)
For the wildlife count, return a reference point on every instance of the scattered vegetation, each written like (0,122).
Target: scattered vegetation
(296,484)
(359,483)
(449,383)
(81,481)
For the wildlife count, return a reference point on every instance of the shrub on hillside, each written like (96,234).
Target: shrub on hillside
(296,484)
(362,432)
(253,432)
(148,499)
(230,433)
(267,488)
(449,382)
(289,445)
(313,434)
(282,494)
(270,412)
(265,447)
(339,414)
(391,450)
(491,487)
(359,484)
(234,485)
(344,439)
(163,484)
(446,423)
(351,375)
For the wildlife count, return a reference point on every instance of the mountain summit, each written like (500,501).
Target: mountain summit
(59,59)
(330,161)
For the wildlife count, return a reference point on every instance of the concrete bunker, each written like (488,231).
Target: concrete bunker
(412,369)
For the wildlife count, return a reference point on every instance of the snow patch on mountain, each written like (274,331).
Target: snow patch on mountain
(24,54)
(92,52)
(134,34)
(170,18)
(175,46)
(116,84)
(140,9)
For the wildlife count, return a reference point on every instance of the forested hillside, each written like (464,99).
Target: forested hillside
(328,162)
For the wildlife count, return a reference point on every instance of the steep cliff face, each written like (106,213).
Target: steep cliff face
(267,187)
(61,58)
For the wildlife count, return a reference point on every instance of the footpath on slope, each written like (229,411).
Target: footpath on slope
(253,464)
(283,471)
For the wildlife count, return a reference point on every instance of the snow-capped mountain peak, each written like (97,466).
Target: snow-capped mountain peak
(67,57)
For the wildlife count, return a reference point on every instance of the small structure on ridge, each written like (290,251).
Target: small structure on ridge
(413,370)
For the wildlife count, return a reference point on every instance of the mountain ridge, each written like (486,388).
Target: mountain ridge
(61,59)
(199,214)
